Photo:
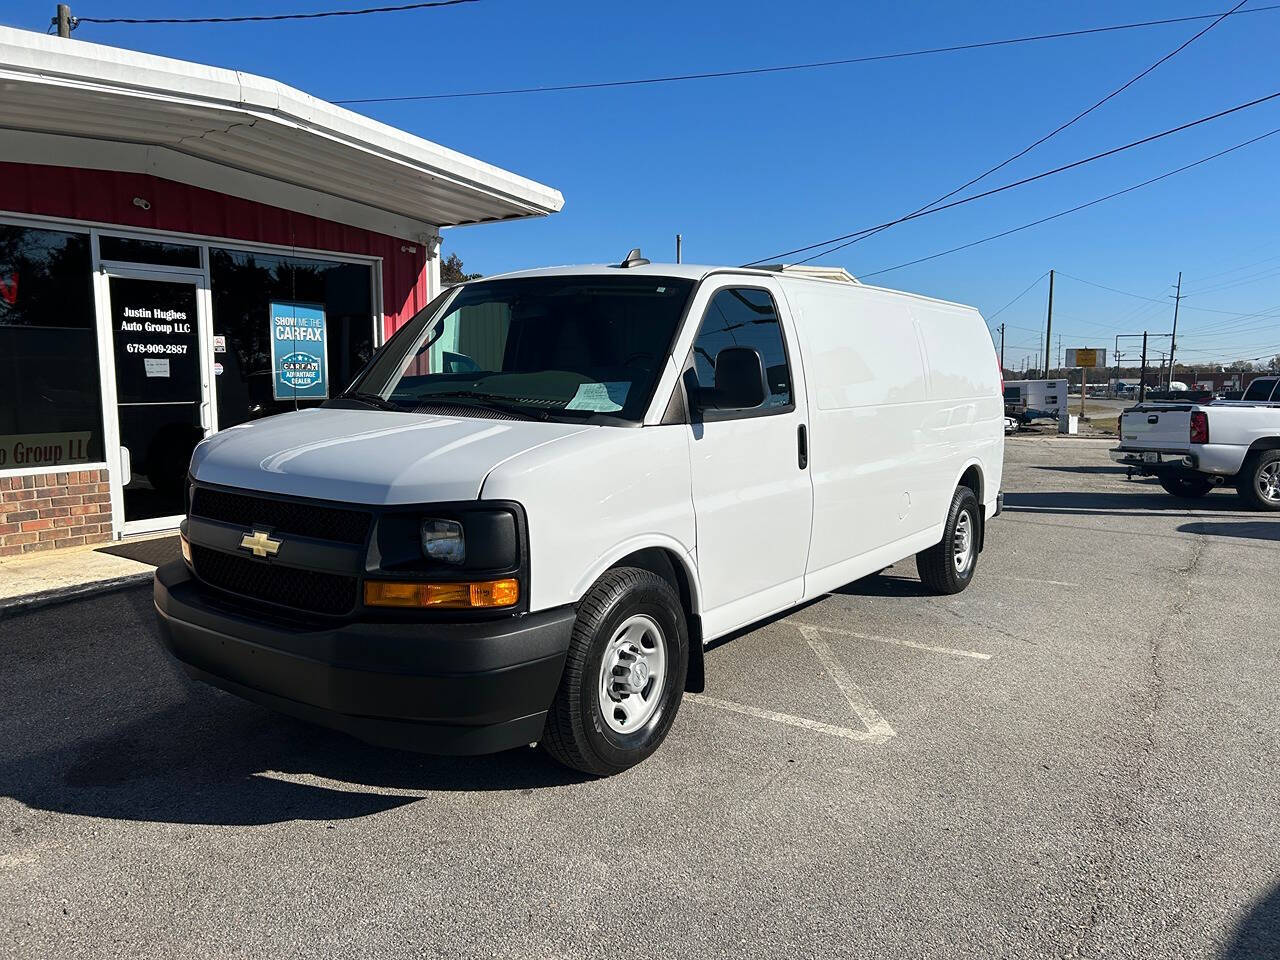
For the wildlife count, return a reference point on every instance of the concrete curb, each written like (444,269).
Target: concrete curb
(13,606)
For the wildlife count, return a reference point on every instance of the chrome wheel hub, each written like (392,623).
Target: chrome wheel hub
(633,674)
(1269,482)
(963,543)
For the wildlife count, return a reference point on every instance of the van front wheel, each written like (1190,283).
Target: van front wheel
(624,676)
(947,567)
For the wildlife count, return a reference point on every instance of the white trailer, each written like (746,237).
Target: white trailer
(1035,399)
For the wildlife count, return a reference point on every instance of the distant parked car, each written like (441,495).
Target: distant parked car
(1010,425)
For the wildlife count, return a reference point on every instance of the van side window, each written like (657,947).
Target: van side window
(744,317)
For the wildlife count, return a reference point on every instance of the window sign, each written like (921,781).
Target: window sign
(44,449)
(299,356)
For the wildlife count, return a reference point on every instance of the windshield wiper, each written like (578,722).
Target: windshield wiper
(373,400)
(480,399)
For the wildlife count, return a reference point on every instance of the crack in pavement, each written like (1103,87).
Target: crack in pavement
(1130,803)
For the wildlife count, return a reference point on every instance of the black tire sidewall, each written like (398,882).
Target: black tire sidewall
(963,500)
(1248,489)
(1191,487)
(653,598)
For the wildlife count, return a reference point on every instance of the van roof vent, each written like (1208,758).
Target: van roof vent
(633,259)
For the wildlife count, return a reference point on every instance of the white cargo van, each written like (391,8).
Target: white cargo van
(550,489)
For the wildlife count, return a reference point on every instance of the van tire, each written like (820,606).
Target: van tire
(937,565)
(1259,467)
(1190,488)
(577,733)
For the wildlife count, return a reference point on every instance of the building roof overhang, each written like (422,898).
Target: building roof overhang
(239,133)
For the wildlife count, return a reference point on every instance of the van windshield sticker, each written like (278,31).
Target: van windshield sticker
(601,397)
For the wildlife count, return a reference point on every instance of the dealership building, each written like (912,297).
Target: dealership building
(184,248)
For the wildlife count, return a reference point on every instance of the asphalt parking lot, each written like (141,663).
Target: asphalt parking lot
(1076,757)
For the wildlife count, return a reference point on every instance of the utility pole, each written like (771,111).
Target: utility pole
(1173,343)
(1002,351)
(678,243)
(1142,376)
(63,20)
(1048,328)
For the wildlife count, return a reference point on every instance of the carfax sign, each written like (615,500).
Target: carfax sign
(299,357)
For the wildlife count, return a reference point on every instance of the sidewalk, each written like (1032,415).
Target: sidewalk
(53,576)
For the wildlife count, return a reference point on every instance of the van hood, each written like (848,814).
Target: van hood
(369,456)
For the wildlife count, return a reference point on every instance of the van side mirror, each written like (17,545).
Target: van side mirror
(740,380)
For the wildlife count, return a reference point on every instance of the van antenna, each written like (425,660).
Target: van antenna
(633,259)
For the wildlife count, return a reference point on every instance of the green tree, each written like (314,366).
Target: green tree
(452,271)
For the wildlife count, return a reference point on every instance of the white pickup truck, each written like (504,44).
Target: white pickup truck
(1192,448)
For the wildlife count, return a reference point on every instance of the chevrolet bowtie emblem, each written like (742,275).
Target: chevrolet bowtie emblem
(260,543)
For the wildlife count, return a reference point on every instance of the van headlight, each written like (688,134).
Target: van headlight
(443,540)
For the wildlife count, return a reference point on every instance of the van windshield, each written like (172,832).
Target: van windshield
(564,348)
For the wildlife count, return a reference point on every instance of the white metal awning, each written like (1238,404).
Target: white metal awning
(215,128)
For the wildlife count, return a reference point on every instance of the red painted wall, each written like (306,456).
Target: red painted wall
(107,197)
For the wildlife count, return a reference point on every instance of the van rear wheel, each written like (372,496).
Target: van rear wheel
(624,677)
(947,567)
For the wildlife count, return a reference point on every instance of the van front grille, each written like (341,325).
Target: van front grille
(282,516)
(311,591)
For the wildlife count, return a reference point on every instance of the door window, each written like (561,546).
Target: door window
(745,317)
(158,390)
(1259,390)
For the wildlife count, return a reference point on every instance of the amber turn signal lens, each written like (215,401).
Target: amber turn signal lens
(186,548)
(448,596)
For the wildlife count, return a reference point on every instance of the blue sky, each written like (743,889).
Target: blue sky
(748,167)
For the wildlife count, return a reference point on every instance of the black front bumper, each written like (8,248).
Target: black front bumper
(454,688)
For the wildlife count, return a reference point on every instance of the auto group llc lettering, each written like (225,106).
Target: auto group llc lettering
(133,315)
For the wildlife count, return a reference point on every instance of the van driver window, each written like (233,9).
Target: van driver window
(744,317)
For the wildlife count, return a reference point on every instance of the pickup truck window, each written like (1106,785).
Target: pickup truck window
(565,348)
(744,317)
(1260,390)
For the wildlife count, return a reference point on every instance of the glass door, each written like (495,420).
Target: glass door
(161,391)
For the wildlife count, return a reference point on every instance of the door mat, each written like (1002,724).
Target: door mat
(155,551)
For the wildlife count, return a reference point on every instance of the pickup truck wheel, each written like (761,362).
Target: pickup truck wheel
(947,567)
(1259,480)
(1190,487)
(624,677)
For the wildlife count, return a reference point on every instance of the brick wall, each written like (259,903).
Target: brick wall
(62,509)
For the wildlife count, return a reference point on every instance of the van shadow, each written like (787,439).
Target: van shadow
(1084,502)
(884,585)
(1245,530)
(1258,935)
(99,722)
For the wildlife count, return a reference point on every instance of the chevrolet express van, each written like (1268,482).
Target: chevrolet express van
(549,490)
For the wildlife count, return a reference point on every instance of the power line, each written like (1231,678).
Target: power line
(263,18)
(1081,206)
(1048,136)
(1103,286)
(1025,180)
(1018,297)
(791,67)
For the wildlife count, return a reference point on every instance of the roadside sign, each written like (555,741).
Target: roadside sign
(1086,357)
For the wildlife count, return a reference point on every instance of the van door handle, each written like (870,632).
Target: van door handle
(802,446)
(1154,418)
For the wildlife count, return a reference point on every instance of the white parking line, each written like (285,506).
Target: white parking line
(804,723)
(858,702)
(955,652)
